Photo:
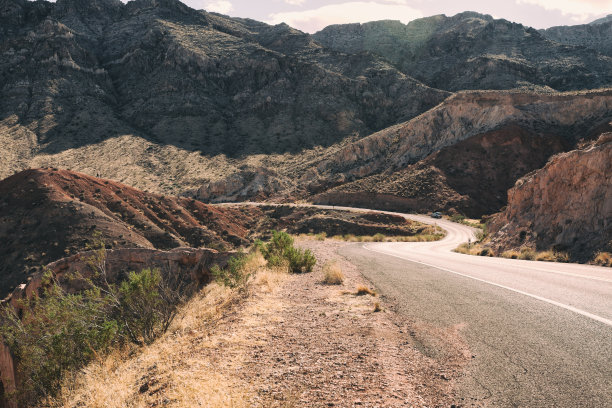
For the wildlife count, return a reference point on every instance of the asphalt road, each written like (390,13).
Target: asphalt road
(540,333)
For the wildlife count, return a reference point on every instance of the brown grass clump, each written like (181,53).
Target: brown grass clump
(377,307)
(332,274)
(527,254)
(552,256)
(511,254)
(364,290)
(474,249)
(603,259)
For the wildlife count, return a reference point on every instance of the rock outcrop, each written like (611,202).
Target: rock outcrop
(566,205)
(475,51)
(596,36)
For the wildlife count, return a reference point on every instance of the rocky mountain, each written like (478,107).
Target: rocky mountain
(172,100)
(566,205)
(602,20)
(475,51)
(595,36)
(166,82)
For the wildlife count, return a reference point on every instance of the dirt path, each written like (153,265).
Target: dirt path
(324,346)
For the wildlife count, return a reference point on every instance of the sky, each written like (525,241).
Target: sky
(313,15)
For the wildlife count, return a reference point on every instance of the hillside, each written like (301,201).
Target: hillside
(180,92)
(475,51)
(50,214)
(481,141)
(565,206)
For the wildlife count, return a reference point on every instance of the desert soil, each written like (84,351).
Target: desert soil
(313,345)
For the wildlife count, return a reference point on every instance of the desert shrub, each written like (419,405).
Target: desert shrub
(457,218)
(321,236)
(147,305)
(300,261)
(527,254)
(378,237)
(332,274)
(234,275)
(364,290)
(485,252)
(57,333)
(603,259)
(280,251)
(510,254)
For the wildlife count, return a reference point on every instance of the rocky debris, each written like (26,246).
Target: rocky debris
(565,206)
(475,51)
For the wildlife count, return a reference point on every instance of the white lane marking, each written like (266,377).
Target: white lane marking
(543,299)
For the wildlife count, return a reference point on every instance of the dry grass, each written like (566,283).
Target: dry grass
(182,368)
(364,290)
(377,307)
(332,274)
(552,256)
(603,259)
(474,249)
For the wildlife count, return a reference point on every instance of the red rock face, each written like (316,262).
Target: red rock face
(47,214)
(567,205)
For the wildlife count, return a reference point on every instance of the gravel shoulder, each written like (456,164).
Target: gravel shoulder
(325,346)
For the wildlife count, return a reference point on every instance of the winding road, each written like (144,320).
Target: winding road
(539,334)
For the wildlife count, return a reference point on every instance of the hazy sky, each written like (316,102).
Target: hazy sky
(312,15)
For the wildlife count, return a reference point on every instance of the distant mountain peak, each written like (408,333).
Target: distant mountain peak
(603,20)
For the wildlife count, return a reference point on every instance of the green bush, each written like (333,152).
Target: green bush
(57,333)
(280,251)
(147,305)
(300,261)
(234,275)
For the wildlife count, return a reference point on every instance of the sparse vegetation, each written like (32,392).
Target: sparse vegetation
(377,307)
(234,275)
(603,259)
(364,290)
(428,237)
(280,251)
(332,274)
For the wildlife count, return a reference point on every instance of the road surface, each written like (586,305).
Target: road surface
(539,334)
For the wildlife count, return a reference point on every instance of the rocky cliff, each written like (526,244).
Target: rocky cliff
(596,36)
(480,143)
(475,51)
(566,205)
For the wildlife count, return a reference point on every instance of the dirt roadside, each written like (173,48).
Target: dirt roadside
(326,346)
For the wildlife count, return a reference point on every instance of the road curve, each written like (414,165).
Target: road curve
(540,333)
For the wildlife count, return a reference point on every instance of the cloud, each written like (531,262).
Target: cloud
(218,6)
(579,10)
(295,2)
(342,13)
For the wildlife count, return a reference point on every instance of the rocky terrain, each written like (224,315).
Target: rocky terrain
(565,206)
(49,214)
(475,51)
(596,36)
(228,109)
(180,91)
